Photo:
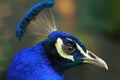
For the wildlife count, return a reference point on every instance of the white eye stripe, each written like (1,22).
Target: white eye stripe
(69,39)
(58,45)
(82,51)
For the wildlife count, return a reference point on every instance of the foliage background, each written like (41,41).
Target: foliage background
(94,22)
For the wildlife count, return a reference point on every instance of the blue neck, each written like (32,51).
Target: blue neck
(33,64)
(53,70)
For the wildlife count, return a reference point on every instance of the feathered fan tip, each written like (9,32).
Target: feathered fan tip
(39,21)
(42,25)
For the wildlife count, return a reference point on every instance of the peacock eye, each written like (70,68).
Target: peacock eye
(69,47)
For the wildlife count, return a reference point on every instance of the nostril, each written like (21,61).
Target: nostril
(92,55)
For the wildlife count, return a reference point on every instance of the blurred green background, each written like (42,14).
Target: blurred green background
(94,22)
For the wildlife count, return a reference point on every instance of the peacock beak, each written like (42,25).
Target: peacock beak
(93,59)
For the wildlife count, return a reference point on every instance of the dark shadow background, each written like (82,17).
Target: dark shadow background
(94,22)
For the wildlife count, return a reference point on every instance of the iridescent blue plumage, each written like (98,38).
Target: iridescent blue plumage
(30,15)
(42,62)
(49,58)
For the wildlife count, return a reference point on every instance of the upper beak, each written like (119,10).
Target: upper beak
(93,59)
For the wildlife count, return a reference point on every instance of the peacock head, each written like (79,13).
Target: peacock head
(64,50)
(68,51)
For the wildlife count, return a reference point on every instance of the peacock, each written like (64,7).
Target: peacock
(48,59)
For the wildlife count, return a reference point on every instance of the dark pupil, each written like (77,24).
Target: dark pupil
(68,48)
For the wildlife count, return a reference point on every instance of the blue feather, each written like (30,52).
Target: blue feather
(49,58)
(21,28)
(42,62)
(32,64)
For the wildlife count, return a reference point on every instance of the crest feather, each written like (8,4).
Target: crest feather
(39,21)
(42,25)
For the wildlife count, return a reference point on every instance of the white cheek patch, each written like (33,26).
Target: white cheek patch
(58,45)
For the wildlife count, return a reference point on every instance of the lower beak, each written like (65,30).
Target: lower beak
(93,59)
